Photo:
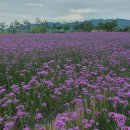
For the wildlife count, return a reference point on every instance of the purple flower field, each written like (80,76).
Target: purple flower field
(68,81)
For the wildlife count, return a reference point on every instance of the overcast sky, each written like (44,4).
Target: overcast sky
(63,10)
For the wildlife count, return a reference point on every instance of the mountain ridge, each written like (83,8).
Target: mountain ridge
(120,22)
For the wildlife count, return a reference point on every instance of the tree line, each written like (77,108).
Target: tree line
(42,26)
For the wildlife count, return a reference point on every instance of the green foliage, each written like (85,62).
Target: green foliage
(39,29)
(42,26)
(86,26)
(11,28)
(107,26)
(27,25)
(2,27)
(127,29)
(66,26)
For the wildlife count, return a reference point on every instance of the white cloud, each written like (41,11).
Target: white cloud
(86,10)
(70,17)
(31,4)
(16,15)
(3,5)
(66,10)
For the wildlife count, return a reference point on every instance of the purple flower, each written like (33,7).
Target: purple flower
(43,73)
(59,124)
(120,119)
(83,83)
(26,87)
(9,125)
(88,125)
(42,128)
(38,116)
(26,128)
(2,91)
(43,104)
(15,88)
(76,128)
(74,115)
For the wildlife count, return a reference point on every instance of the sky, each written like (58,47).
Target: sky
(63,10)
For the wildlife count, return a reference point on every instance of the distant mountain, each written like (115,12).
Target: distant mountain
(123,22)
(120,22)
(72,26)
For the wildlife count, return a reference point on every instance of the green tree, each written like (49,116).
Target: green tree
(110,26)
(41,26)
(86,26)
(38,29)
(27,25)
(2,27)
(126,29)
(107,26)
(66,26)
(100,26)
(17,26)
(12,28)
(58,27)
(38,21)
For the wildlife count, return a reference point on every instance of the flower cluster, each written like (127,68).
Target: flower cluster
(71,81)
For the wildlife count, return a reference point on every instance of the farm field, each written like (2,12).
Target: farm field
(65,81)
